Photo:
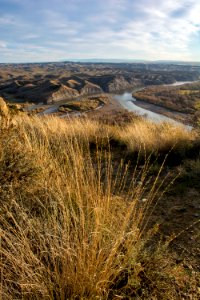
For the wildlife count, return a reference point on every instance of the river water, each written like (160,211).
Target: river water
(130,103)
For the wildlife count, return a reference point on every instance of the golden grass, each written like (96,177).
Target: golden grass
(154,137)
(72,220)
(82,105)
(188,92)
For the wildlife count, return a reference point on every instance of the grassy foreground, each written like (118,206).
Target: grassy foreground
(74,213)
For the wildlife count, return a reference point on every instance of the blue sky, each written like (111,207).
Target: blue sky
(54,30)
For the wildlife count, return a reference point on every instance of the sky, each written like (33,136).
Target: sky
(57,30)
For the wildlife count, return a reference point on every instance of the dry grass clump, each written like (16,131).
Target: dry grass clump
(54,126)
(154,137)
(72,221)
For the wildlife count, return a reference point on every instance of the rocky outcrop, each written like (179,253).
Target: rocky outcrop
(115,83)
(90,88)
(66,88)
(48,91)
(74,84)
(62,93)
(3,108)
(122,83)
(84,87)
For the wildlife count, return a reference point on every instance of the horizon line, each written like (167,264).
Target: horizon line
(102,60)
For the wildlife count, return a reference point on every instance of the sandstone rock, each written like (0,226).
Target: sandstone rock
(73,83)
(49,90)
(115,83)
(121,83)
(90,88)
(62,93)
(3,108)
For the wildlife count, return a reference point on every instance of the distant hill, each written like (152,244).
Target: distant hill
(52,82)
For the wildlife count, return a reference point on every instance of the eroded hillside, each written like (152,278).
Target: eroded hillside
(52,82)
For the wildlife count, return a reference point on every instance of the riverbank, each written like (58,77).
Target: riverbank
(154,111)
(130,103)
(178,101)
(184,118)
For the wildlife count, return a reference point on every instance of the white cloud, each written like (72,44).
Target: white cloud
(3,44)
(161,34)
(59,24)
(7,20)
(30,36)
(149,29)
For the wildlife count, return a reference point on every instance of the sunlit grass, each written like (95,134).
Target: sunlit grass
(154,137)
(73,220)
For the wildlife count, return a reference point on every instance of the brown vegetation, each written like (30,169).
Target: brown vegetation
(179,98)
(74,213)
(83,105)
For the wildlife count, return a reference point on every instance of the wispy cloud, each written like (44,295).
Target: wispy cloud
(30,36)
(60,29)
(3,44)
(57,23)
(6,20)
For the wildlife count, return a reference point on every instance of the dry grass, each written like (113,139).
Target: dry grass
(72,221)
(154,137)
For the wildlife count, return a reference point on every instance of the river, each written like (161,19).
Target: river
(130,103)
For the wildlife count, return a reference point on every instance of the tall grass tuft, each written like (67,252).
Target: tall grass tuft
(72,219)
(155,136)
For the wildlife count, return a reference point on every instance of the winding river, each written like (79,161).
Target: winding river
(130,103)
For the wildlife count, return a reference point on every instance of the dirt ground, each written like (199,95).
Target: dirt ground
(112,107)
(179,219)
